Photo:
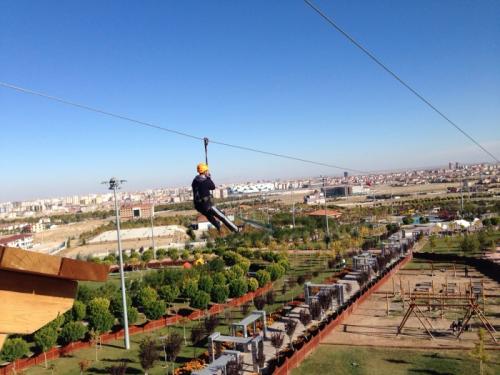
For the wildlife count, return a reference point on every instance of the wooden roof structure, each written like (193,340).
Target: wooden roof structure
(36,288)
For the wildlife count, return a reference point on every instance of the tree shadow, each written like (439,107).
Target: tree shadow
(397,361)
(118,360)
(429,372)
(130,370)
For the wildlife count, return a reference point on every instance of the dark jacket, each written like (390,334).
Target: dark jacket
(201,191)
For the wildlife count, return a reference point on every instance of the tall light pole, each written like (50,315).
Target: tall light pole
(326,214)
(114,184)
(152,225)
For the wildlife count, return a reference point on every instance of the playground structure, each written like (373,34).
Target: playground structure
(242,344)
(447,299)
(338,292)
(250,320)
(219,365)
(36,288)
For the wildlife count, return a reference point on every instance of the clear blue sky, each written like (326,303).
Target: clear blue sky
(266,74)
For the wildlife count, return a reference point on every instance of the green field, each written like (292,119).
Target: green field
(451,245)
(344,360)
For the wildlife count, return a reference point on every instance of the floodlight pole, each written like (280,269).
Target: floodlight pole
(326,213)
(114,184)
(152,226)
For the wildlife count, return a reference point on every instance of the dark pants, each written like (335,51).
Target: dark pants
(213,214)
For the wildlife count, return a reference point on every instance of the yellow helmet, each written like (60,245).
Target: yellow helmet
(202,168)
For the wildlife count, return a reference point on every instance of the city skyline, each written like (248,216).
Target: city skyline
(261,75)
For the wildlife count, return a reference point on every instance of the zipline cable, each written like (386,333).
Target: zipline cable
(394,75)
(173,131)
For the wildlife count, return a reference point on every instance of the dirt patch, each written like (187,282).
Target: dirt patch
(370,325)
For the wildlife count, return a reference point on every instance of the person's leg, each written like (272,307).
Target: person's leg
(220,215)
(209,214)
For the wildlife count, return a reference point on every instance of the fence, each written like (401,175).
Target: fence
(299,355)
(152,325)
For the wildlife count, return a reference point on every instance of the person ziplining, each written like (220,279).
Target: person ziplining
(202,186)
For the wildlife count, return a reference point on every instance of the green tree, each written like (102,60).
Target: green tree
(78,311)
(469,244)
(479,351)
(220,293)
(145,296)
(189,288)
(253,284)
(205,283)
(98,314)
(200,300)
(73,331)
(45,339)
(154,309)
(238,287)
(173,254)
(14,349)
(169,293)
(263,277)
(275,271)
(185,255)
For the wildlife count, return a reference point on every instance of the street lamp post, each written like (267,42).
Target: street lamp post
(114,185)
(152,226)
(326,214)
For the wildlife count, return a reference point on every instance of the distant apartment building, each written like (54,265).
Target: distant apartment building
(220,193)
(129,211)
(23,241)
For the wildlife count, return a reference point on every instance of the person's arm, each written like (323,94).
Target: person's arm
(210,183)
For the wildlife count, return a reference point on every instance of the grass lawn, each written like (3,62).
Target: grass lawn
(451,245)
(341,360)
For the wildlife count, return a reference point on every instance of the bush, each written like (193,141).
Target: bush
(45,338)
(469,244)
(219,278)
(220,293)
(169,293)
(305,317)
(253,284)
(197,333)
(275,271)
(263,277)
(79,311)
(85,294)
(259,302)
(200,300)
(99,317)
(205,283)
(73,331)
(270,297)
(231,258)
(145,296)
(238,287)
(148,353)
(132,316)
(189,288)
(173,254)
(155,309)
(216,265)
(210,323)
(13,349)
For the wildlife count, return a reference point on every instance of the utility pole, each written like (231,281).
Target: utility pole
(114,185)
(152,225)
(326,214)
